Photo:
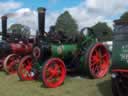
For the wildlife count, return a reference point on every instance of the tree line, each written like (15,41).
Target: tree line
(67,24)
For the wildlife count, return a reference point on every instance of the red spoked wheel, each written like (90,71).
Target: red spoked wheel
(25,69)
(10,63)
(36,52)
(53,72)
(98,61)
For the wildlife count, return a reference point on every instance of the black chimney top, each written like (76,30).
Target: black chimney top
(4,27)
(41,20)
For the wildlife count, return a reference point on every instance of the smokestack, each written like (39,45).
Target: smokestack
(4,27)
(41,20)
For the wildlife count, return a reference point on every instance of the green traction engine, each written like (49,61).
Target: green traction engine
(55,54)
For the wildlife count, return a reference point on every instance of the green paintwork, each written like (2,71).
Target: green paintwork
(120,56)
(63,50)
(38,66)
(120,46)
(82,58)
(84,45)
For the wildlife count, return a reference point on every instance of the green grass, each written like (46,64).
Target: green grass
(11,86)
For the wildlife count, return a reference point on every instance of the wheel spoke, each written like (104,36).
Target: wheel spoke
(49,70)
(29,67)
(99,61)
(29,62)
(95,59)
(54,73)
(12,58)
(12,66)
(50,77)
(24,73)
(25,69)
(105,55)
(56,67)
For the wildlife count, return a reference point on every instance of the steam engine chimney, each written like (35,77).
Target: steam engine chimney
(4,27)
(41,20)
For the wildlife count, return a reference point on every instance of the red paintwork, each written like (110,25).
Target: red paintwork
(53,72)
(21,48)
(120,70)
(98,61)
(10,63)
(25,69)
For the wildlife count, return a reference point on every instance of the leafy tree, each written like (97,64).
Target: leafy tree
(67,24)
(124,16)
(102,31)
(52,29)
(19,30)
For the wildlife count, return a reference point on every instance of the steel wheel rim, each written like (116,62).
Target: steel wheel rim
(25,69)
(99,61)
(10,64)
(54,73)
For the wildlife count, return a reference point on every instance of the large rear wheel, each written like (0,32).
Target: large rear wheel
(53,72)
(98,60)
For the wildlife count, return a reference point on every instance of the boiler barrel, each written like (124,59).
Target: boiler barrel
(21,48)
(64,51)
(120,45)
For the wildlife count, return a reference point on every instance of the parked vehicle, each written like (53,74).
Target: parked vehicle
(12,49)
(120,58)
(54,55)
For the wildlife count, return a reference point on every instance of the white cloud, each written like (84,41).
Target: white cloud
(9,5)
(89,12)
(51,19)
(29,18)
(83,18)
(107,7)
(26,17)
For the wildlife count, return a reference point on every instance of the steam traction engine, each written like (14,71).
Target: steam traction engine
(120,58)
(55,55)
(12,50)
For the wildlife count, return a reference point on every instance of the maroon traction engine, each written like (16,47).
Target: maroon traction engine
(12,50)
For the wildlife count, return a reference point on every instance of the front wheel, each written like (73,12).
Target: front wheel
(25,71)
(97,60)
(53,72)
(10,63)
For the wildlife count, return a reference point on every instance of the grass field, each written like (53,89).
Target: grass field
(73,86)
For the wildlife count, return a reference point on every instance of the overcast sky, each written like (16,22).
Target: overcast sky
(85,12)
